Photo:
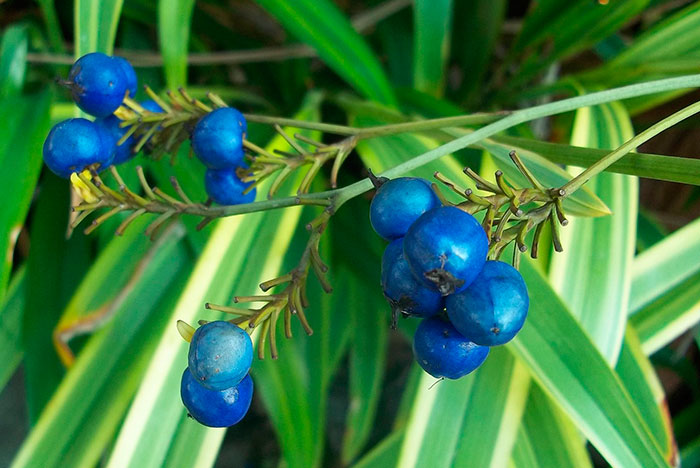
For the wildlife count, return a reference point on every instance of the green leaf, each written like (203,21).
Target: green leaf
(95,24)
(25,124)
(669,315)
(174,17)
(640,378)
(112,276)
(357,267)
(665,265)
(598,252)
(85,411)
(11,326)
(547,437)
(53,27)
(432,22)
(568,366)
(384,454)
(295,387)
(152,430)
(320,24)
(437,414)
(493,412)
(562,29)
(54,267)
(13,59)
(651,166)
(477,25)
(676,36)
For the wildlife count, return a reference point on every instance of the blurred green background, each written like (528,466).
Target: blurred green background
(606,370)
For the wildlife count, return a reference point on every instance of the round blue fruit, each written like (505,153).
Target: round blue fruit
(398,203)
(492,310)
(216,408)
(446,249)
(123,152)
(226,188)
(443,352)
(403,291)
(98,84)
(217,139)
(220,355)
(129,75)
(74,144)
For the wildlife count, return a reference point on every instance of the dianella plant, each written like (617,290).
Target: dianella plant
(365,234)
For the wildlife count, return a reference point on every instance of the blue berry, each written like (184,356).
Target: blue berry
(123,152)
(493,308)
(220,355)
(398,203)
(226,188)
(217,139)
(403,291)
(446,249)
(216,408)
(443,352)
(129,74)
(74,144)
(98,84)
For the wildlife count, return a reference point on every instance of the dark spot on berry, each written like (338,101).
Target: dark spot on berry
(496,330)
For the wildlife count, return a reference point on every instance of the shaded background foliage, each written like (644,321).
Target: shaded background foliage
(609,355)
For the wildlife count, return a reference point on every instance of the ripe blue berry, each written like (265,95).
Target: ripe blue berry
(98,84)
(398,203)
(216,408)
(226,188)
(220,355)
(443,352)
(493,308)
(217,139)
(129,75)
(74,144)
(446,249)
(123,152)
(403,291)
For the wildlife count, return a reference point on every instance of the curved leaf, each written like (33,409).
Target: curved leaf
(320,24)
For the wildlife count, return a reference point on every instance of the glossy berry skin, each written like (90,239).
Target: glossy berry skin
(98,84)
(123,152)
(217,139)
(129,75)
(226,188)
(398,203)
(220,355)
(443,352)
(446,249)
(403,291)
(492,310)
(74,144)
(216,408)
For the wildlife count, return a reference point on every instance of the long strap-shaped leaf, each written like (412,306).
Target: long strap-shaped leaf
(95,25)
(320,24)
(599,251)
(568,366)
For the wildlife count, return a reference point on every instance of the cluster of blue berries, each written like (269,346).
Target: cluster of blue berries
(99,84)
(217,141)
(216,388)
(436,268)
